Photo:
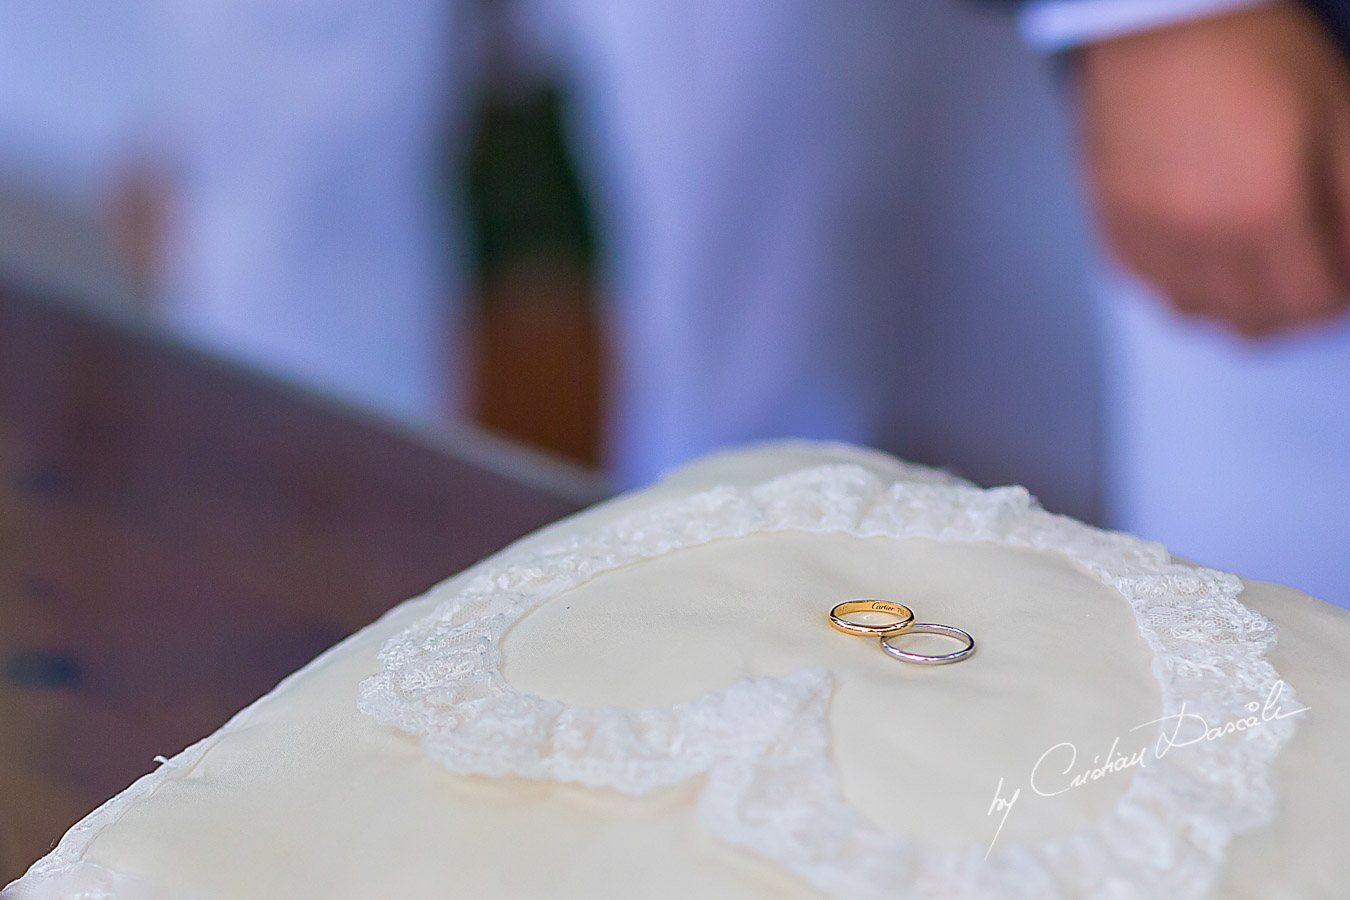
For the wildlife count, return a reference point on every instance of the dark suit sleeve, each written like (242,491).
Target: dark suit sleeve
(1335,15)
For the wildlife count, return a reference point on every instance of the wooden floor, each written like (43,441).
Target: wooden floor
(176,536)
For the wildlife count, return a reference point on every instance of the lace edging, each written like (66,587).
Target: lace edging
(762,743)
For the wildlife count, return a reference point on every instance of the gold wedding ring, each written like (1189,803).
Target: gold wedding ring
(951,631)
(871,604)
(905,626)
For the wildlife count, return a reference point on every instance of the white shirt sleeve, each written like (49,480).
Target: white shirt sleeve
(1052,25)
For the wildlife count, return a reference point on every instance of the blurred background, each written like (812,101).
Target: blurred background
(306,303)
(113,125)
(624,234)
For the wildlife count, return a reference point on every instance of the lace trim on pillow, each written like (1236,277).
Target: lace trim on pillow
(762,743)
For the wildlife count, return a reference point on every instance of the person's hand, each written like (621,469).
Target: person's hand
(1217,154)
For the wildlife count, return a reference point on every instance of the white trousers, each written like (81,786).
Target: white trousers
(773,181)
(832,220)
(752,166)
(804,246)
(312,237)
(1232,453)
(844,220)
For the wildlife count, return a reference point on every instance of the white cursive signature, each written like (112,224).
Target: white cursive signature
(1056,779)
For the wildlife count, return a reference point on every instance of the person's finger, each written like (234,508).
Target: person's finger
(1299,273)
(1223,269)
(1147,249)
(1228,269)
(1258,272)
(1199,273)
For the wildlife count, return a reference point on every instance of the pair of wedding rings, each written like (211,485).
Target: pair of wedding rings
(905,624)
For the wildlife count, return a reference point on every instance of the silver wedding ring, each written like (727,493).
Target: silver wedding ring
(951,631)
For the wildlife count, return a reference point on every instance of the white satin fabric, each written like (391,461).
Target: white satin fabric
(304,796)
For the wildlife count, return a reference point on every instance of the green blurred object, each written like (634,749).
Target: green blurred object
(524,198)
